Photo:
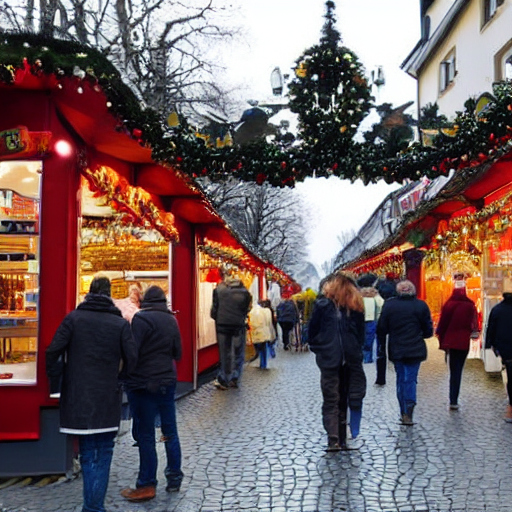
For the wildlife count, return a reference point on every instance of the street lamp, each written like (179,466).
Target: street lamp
(276,82)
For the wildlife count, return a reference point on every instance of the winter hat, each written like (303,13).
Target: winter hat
(154,294)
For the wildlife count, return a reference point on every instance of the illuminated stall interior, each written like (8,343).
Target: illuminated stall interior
(213,257)
(19,270)
(117,244)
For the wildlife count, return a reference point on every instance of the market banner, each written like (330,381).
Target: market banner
(19,142)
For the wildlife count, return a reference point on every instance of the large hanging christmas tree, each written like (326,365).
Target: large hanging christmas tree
(331,96)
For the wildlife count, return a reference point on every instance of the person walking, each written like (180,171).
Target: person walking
(458,321)
(336,337)
(85,356)
(386,289)
(373,303)
(272,344)
(262,331)
(287,317)
(498,337)
(151,386)
(406,322)
(231,303)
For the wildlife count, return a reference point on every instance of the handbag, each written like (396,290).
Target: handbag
(492,362)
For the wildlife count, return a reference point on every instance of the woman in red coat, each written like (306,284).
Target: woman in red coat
(459,318)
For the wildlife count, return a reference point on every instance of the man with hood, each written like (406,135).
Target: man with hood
(151,386)
(406,321)
(231,303)
(86,353)
(499,337)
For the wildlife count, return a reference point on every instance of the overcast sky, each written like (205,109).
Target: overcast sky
(380,32)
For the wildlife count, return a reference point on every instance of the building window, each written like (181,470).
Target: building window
(503,63)
(447,71)
(490,8)
(507,66)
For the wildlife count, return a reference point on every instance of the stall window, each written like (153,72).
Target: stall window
(447,71)
(19,270)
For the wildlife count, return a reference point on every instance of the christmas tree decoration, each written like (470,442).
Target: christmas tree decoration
(330,96)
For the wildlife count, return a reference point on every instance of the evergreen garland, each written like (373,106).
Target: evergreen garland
(327,148)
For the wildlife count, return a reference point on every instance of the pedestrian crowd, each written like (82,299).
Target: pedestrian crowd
(105,347)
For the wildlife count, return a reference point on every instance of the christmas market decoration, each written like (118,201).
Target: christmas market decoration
(134,201)
(331,97)
(473,140)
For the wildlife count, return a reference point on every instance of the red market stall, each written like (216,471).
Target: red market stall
(80,193)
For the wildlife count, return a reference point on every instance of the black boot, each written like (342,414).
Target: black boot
(333,444)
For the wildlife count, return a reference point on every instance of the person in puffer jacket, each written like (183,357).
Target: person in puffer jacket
(151,386)
(406,322)
(336,337)
(85,356)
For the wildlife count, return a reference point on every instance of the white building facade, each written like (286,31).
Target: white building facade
(466,46)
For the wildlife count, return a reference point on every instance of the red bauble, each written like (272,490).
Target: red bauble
(137,133)
(260,178)
(283,165)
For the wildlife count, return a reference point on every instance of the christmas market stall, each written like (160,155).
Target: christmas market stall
(459,225)
(221,250)
(82,192)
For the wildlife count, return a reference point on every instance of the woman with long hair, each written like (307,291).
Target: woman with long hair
(336,336)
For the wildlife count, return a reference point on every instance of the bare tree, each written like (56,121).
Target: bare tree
(344,238)
(270,220)
(163,47)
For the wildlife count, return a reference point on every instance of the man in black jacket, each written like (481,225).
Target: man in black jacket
(86,353)
(231,303)
(151,385)
(499,337)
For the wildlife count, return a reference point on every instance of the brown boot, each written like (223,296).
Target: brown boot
(139,494)
(508,414)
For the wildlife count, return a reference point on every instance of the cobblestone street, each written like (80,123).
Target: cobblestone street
(261,447)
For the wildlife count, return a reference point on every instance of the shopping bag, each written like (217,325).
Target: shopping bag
(492,362)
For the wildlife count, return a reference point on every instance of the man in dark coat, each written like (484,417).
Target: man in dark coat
(499,338)
(151,386)
(231,303)
(459,319)
(406,321)
(287,316)
(86,353)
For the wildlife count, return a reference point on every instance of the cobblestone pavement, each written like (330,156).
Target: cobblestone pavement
(261,447)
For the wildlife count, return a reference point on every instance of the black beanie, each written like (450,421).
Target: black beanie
(153,295)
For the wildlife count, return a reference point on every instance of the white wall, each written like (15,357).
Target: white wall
(437,11)
(475,48)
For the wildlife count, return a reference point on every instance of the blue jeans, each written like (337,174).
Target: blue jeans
(370,329)
(95,457)
(406,381)
(261,349)
(231,354)
(145,407)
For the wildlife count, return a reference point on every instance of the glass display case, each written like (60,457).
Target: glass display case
(19,270)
